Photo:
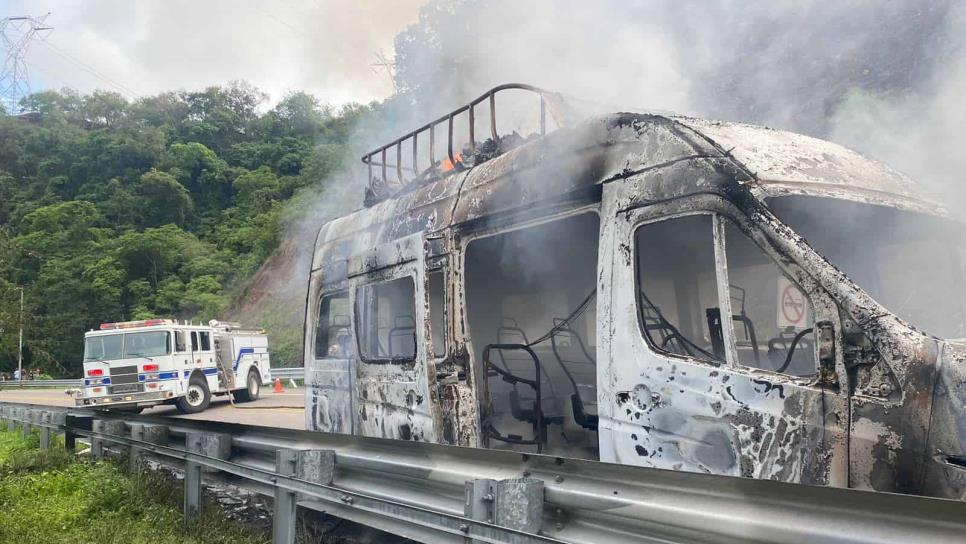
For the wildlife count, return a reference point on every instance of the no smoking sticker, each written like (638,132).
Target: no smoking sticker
(792,305)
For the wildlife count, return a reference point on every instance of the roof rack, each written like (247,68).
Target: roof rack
(378,157)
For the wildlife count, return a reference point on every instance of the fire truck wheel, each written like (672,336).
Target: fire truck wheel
(252,387)
(196,399)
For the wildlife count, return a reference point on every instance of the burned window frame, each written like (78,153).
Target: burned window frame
(442,269)
(328,295)
(638,310)
(358,299)
(724,280)
(510,224)
(767,235)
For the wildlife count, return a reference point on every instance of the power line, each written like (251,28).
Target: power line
(16,33)
(383,64)
(123,89)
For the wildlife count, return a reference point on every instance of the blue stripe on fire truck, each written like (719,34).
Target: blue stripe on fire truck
(206,371)
(241,352)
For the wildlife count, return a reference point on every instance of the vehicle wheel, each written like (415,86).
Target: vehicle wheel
(196,399)
(253,386)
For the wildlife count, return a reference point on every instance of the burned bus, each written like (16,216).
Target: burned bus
(650,290)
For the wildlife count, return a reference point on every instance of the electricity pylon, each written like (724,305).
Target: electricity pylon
(15,35)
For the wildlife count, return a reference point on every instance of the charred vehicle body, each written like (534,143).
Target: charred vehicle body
(649,290)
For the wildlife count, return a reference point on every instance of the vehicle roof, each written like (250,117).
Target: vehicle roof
(167,327)
(785,162)
(664,156)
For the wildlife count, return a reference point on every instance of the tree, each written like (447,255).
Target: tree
(256,190)
(163,200)
(113,210)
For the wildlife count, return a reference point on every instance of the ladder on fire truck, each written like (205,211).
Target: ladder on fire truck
(226,372)
(226,376)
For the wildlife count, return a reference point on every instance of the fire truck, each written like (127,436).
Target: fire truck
(136,364)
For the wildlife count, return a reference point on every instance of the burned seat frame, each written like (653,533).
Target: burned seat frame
(534,415)
(581,417)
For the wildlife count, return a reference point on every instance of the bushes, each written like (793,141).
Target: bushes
(52,497)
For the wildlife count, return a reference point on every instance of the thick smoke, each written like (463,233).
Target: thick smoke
(324,47)
(918,131)
(884,78)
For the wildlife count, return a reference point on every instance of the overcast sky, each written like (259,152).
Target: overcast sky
(142,47)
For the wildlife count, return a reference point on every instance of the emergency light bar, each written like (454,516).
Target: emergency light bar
(136,324)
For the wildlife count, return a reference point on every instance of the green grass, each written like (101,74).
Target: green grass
(53,497)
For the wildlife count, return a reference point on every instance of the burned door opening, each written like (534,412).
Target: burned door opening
(329,382)
(718,370)
(531,313)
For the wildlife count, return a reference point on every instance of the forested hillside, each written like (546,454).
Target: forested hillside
(112,210)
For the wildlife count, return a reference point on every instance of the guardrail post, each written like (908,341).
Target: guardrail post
(480,495)
(70,438)
(45,430)
(137,433)
(216,445)
(97,444)
(192,490)
(11,423)
(283,526)
(25,423)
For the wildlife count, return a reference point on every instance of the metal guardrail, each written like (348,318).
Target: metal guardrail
(434,493)
(40,383)
(294,373)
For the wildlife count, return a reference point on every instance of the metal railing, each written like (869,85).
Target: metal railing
(434,493)
(294,373)
(5,384)
(554,100)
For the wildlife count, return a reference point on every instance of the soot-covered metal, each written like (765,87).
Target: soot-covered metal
(605,254)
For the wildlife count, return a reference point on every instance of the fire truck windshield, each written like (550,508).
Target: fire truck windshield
(911,263)
(127,345)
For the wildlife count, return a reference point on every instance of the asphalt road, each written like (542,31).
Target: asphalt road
(281,410)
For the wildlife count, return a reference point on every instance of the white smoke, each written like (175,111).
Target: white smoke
(919,132)
(885,79)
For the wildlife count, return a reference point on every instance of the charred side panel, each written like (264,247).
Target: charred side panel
(946,455)
(890,368)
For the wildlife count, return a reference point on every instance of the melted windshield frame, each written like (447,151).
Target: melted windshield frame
(910,262)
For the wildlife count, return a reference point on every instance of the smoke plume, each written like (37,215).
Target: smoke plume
(883,78)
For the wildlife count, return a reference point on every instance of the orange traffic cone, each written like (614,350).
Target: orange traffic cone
(278,385)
